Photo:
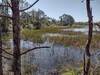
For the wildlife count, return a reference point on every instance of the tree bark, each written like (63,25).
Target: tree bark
(1,68)
(87,49)
(16,66)
(16,37)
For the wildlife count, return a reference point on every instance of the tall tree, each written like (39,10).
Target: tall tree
(66,19)
(16,37)
(40,14)
(87,63)
(16,34)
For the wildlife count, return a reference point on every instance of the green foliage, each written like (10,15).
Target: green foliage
(70,71)
(6,37)
(71,38)
(36,35)
(78,41)
(37,25)
(66,20)
(32,35)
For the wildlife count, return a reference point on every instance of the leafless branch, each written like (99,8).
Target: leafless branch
(6,57)
(1,5)
(29,50)
(5,16)
(98,25)
(29,6)
(34,49)
(6,52)
(9,4)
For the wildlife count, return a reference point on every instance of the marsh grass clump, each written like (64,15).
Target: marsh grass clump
(67,70)
(51,29)
(95,41)
(32,35)
(77,39)
(6,37)
(36,35)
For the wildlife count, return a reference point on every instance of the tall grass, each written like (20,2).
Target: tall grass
(76,39)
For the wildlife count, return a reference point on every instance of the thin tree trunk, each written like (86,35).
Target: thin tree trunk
(87,49)
(1,68)
(16,37)
(16,67)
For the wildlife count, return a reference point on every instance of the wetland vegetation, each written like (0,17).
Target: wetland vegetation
(34,43)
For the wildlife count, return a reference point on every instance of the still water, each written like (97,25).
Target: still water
(50,58)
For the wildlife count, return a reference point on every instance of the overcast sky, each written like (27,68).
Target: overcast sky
(55,8)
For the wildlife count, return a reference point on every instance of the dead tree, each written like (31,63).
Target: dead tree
(87,56)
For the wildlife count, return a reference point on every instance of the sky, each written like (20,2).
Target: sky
(75,8)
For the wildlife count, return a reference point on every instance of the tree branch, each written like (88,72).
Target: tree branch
(5,16)
(34,49)
(6,57)
(1,5)
(9,4)
(25,51)
(97,25)
(29,6)
(6,52)
(6,5)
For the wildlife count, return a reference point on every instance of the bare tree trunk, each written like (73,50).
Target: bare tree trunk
(1,68)
(87,49)
(16,37)
(16,67)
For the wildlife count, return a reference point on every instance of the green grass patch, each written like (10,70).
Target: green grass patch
(36,35)
(68,73)
(32,35)
(6,37)
(76,39)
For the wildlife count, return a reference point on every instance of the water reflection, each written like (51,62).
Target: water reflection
(48,59)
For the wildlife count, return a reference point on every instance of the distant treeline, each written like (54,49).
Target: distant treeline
(85,23)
